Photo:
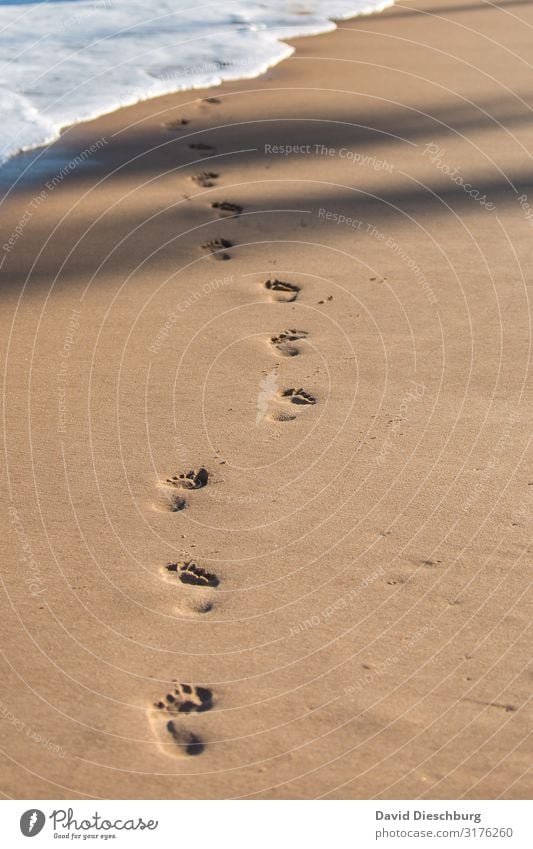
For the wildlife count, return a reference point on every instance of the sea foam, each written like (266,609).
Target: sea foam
(71,60)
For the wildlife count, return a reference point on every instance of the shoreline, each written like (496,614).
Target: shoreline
(327,25)
(267,432)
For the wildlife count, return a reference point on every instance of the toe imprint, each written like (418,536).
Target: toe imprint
(288,291)
(176,125)
(226,206)
(190,573)
(205,178)
(185,698)
(216,247)
(298,396)
(190,480)
(283,342)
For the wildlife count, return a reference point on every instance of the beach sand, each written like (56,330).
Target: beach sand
(362,629)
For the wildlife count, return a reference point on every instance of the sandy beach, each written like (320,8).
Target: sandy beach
(268,492)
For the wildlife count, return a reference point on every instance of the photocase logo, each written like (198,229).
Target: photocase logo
(32,822)
(267,389)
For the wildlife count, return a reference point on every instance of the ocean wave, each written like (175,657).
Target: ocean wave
(72,60)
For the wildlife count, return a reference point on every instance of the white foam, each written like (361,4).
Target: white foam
(72,60)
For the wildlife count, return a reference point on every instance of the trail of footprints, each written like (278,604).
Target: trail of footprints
(174,736)
(183,701)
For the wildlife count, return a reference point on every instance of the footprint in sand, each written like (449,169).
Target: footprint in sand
(190,480)
(205,178)
(217,248)
(170,501)
(283,342)
(284,292)
(226,206)
(212,100)
(178,124)
(174,737)
(397,580)
(293,396)
(201,147)
(297,396)
(198,592)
